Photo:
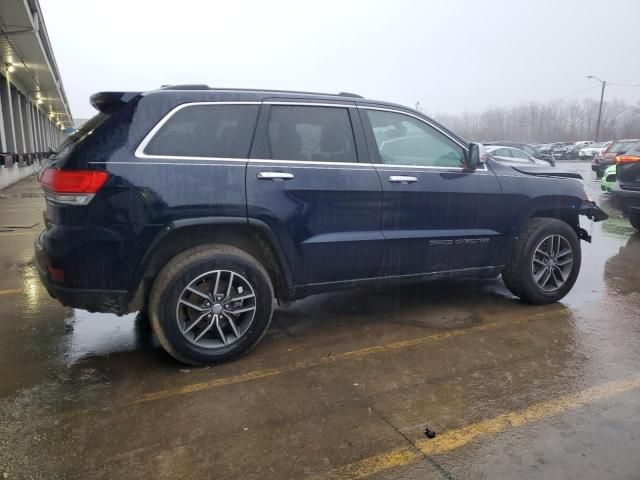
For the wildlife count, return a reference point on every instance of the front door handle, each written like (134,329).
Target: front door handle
(276,176)
(402,179)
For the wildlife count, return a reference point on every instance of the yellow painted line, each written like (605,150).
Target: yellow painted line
(364,352)
(10,291)
(453,439)
(33,209)
(13,234)
(376,464)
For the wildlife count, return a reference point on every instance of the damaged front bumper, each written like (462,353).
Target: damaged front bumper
(593,212)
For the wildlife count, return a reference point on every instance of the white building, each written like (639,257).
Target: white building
(33,106)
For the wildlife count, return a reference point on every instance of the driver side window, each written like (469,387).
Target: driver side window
(404,140)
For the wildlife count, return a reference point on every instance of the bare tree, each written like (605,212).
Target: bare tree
(554,121)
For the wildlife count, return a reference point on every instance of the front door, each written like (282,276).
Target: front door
(436,215)
(305,181)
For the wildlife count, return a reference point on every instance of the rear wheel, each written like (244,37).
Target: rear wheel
(211,304)
(545,261)
(634,220)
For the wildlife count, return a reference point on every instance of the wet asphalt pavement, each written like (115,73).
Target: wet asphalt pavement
(343,385)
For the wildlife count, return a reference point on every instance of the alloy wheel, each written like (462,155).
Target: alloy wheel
(552,263)
(216,309)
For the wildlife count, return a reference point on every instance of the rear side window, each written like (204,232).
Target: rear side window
(223,131)
(318,134)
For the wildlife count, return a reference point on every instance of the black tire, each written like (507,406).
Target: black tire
(634,220)
(518,273)
(171,282)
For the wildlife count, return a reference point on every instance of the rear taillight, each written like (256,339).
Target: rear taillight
(73,187)
(622,159)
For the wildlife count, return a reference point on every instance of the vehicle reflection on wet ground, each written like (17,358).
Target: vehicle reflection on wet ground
(343,386)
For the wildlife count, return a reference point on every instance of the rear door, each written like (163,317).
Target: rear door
(436,216)
(310,180)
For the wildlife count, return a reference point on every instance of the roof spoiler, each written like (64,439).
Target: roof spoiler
(109,102)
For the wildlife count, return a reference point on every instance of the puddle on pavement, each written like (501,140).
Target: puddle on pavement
(99,334)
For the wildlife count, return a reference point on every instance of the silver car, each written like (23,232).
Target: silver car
(512,154)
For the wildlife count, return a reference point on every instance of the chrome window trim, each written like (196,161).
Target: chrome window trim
(306,162)
(139,153)
(203,164)
(310,104)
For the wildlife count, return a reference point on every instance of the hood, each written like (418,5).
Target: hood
(542,171)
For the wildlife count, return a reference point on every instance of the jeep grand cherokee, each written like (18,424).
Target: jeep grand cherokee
(206,206)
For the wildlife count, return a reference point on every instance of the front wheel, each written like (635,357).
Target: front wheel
(211,304)
(634,220)
(545,261)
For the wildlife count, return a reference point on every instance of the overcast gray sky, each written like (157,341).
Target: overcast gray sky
(451,56)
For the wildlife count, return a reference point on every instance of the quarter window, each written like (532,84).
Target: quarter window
(318,134)
(223,131)
(404,140)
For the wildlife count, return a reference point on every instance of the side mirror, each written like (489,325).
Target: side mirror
(476,156)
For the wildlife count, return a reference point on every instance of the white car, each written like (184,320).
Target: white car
(512,154)
(592,149)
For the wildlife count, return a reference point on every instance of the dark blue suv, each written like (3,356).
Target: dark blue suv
(205,206)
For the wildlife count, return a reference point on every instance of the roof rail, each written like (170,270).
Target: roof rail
(185,87)
(348,94)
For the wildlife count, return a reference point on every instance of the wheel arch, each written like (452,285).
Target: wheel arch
(252,236)
(565,208)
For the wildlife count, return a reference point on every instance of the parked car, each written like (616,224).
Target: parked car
(571,152)
(608,179)
(558,148)
(511,154)
(592,149)
(625,193)
(525,147)
(205,207)
(607,157)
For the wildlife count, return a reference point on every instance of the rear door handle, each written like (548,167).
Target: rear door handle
(402,179)
(276,176)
